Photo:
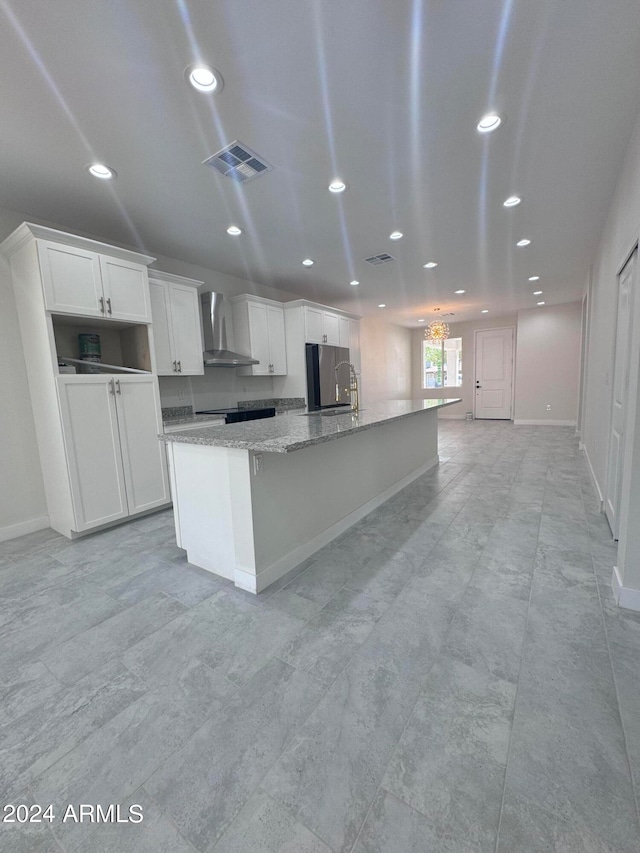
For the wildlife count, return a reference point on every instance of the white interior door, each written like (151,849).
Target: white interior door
(494,373)
(621,366)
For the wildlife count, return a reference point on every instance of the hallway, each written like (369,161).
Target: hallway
(450,675)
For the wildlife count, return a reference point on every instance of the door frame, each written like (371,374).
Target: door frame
(513,362)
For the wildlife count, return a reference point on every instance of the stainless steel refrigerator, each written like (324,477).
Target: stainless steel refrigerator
(326,387)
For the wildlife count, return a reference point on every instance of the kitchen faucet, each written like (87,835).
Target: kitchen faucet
(353,385)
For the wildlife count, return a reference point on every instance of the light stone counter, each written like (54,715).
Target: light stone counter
(250,509)
(295,431)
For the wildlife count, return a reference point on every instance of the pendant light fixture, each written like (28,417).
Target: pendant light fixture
(437,330)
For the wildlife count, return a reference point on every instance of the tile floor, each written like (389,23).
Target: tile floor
(451,675)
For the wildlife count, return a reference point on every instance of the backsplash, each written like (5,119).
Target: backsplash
(220,387)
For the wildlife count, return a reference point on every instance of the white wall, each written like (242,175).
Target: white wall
(385,361)
(548,364)
(619,237)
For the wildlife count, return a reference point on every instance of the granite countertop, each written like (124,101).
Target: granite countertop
(291,432)
(177,420)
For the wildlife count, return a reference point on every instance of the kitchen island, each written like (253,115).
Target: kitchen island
(252,500)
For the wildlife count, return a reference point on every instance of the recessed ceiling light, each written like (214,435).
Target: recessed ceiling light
(459,291)
(488,123)
(337,186)
(204,78)
(420,321)
(485,311)
(234,230)
(382,305)
(99,170)
(512,201)
(354,282)
(307,262)
(534,278)
(524,242)
(395,235)
(539,303)
(430,265)
(537,293)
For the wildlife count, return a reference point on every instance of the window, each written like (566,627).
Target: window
(442,363)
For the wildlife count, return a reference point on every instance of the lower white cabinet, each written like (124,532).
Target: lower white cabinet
(259,329)
(116,463)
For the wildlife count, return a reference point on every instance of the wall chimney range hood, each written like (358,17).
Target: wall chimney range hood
(218,333)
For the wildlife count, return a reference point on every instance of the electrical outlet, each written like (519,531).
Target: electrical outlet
(258,463)
(548,407)
(181,394)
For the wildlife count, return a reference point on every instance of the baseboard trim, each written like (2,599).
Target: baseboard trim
(624,596)
(525,422)
(256,583)
(592,475)
(13,531)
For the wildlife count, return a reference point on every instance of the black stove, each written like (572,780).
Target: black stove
(235,415)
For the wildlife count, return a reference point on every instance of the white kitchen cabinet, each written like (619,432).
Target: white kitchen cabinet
(177,327)
(117,465)
(97,434)
(80,281)
(306,322)
(321,326)
(259,328)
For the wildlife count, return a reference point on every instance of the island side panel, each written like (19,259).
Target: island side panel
(203,501)
(304,499)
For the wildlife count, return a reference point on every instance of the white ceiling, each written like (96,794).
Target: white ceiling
(385,94)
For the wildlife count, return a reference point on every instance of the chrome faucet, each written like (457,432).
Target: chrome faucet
(353,385)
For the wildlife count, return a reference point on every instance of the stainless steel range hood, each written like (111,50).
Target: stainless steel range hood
(217,330)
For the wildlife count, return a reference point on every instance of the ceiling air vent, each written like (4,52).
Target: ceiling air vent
(384,258)
(238,162)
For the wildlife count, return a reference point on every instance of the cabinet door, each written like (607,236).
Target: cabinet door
(90,429)
(344,332)
(71,280)
(331,329)
(277,341)
(354,344)
(313,326)
(259,336)
(126,290)
(143,454)
(187,329)
(162,339)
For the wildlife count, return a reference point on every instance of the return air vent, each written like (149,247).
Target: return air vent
(238,162)
(384,258)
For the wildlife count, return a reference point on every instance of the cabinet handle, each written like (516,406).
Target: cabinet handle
(109,311)
(175,366)
(179,367)
(112,387)
(101,301)
(118,385)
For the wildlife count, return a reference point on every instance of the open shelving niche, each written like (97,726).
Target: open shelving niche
(125,347)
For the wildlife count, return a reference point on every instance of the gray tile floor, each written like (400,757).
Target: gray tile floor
(451,675)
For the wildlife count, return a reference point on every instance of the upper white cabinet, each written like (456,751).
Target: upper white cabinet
(259,328)
(79,281)
(321,326)
(177,327)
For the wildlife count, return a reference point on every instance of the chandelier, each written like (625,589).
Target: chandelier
(437,330)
